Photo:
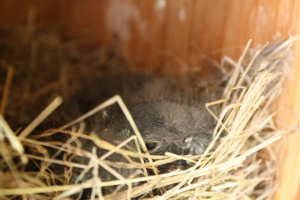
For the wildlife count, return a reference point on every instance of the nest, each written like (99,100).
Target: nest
(241,162)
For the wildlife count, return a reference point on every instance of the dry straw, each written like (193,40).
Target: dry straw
(240,163)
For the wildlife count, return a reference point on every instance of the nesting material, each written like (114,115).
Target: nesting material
(240,163)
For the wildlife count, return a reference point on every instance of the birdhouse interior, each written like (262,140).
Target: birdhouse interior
(153,99)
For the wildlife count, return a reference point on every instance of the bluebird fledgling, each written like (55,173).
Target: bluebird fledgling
(171,117)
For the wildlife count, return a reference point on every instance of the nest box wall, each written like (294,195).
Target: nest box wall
(184,33)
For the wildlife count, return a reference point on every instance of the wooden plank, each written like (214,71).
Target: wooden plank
(289,105)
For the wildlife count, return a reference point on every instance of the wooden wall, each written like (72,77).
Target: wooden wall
(184,30)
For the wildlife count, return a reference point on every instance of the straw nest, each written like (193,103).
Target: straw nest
(240,163)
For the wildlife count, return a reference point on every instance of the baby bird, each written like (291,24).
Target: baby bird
(170,116)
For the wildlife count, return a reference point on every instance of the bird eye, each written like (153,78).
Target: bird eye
(151,146)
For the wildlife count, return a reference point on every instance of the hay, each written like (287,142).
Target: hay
(240,163)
